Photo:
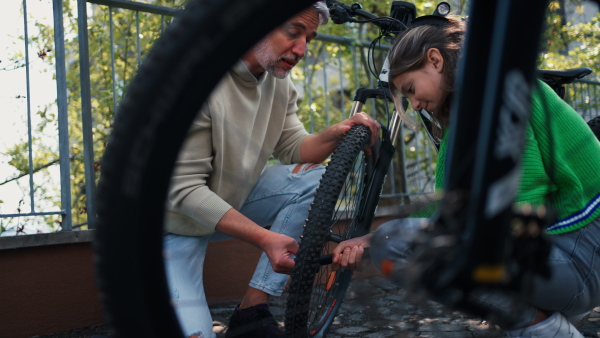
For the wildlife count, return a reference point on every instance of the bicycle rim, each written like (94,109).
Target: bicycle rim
(316,292)
(170,87)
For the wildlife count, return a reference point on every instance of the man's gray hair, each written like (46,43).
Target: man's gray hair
(323,11)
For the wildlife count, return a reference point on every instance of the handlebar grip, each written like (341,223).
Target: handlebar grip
(326,259)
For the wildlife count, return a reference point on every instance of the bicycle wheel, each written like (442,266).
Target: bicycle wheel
(595,125)
(316,291)
(175,79)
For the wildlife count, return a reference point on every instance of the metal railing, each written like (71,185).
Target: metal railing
(326,79)
(584,96)
(86,90)
(90,159)
(62,122)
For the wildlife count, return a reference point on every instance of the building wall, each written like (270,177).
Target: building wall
(48,286)
(51,288)
(47,289)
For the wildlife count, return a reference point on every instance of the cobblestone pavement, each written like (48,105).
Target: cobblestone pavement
(374,308)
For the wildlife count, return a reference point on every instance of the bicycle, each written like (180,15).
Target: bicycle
(158,108)
(347,198)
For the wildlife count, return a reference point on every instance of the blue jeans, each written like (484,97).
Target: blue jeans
(572,289)
(280,199)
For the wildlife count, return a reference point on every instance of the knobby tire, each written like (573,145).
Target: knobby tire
(315,291)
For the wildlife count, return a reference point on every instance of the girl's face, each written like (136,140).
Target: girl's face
(423,86)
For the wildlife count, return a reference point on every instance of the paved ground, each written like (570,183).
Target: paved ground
(373,308)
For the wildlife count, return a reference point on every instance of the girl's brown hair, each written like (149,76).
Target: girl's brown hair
(409,53)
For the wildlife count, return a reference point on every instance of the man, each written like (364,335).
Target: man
(219,185)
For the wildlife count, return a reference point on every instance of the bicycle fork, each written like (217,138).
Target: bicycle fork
(384,154)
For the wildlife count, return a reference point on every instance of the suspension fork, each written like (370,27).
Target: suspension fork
(362,94)
(384,154)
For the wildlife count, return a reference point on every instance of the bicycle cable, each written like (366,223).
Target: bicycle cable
(371,66)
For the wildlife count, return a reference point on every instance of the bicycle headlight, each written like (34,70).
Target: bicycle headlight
(443,9)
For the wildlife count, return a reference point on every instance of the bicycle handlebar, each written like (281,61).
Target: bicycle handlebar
(401,14)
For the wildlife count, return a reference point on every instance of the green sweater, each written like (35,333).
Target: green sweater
(573,188)
(245,121)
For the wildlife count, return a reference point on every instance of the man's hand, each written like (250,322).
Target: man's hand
(315,148)
(342,128)
(348,254)
(279,249)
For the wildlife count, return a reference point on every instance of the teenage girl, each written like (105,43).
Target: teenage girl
(423,62)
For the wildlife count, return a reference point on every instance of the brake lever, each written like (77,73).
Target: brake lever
(340,13)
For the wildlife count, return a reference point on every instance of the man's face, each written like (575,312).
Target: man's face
(283,48)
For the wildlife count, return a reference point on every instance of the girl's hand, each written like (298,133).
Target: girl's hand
(348,254)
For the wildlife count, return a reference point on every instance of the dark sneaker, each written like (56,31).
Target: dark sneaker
(253,322)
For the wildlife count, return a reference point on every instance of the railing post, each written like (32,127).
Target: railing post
(86,113)
(63,118)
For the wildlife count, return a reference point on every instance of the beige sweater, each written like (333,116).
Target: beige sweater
(243,123)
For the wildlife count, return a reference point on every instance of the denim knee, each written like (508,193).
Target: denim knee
(394,241)
(309,173)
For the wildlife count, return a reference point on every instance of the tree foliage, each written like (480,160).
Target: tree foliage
(119,39)
(569,44)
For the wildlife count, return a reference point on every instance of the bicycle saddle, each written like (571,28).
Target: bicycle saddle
(560,77)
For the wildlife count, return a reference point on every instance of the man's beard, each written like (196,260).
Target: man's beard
(269,61)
